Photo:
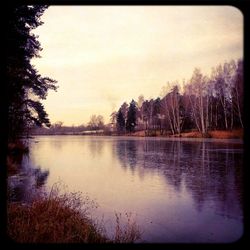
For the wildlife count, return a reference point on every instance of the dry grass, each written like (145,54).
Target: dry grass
(216,134)
(128,233)
(225,134)
(192,134)
(53,219)
(58,218)
(138,133)
(61,219)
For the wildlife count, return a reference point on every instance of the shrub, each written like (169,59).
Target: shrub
(63,218)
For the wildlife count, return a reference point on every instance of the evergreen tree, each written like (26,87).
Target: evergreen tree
(131,117)
(120,121)
(25,86)
(156,112)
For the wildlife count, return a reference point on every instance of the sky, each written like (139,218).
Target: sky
(102,56)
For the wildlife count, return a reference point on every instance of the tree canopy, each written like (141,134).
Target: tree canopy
(25,86)
(131,117)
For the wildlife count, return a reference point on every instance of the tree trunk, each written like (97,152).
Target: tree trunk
(238,107)
(194,115)
(202,116)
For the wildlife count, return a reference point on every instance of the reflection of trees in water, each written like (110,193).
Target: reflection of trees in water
(165,157)
(96,146)
(211,177)
(131,151)
(225,173)
(210,171)
(228,177)
(238,180)
(127,153)
(121,152)
(174,172)
(197,175)
(27,183)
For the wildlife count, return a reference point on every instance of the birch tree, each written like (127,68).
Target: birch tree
(199,101)
(238,92)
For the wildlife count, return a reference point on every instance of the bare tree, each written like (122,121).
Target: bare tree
(221,90)
(166,106)
(140,121)
(172,107)
(238,91)
(197,91)
(113,118)
(147,113)
(96,122)
(229,75)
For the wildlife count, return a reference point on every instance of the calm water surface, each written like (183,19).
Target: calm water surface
(178,190)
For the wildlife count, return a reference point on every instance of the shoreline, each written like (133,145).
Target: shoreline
(69,211)
(212,134)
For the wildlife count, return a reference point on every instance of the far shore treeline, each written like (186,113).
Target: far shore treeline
(203,103)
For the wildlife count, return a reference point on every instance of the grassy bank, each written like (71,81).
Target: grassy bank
(215,134)
(62,219)
(56,217)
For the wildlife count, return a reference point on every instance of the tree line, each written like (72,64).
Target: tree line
(204,103)
(95,125)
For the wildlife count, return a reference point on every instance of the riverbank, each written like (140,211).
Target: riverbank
(56,217)
(215,134)
(62,219)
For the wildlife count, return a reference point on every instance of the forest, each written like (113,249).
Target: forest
(203,103)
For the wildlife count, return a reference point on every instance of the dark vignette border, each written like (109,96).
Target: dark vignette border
(243,6)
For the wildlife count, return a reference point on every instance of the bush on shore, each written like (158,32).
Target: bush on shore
(17,147)
(61,219)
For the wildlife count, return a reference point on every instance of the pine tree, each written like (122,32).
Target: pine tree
(120,121)
(25,86)
(131,117)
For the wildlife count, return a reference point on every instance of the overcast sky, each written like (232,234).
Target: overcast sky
(102,56)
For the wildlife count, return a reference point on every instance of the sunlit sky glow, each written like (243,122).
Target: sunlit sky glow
(102,56)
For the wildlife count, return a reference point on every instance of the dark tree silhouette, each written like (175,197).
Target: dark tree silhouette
(120,121)
(131,117)
(25,86)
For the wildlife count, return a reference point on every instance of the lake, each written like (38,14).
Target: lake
(178,190)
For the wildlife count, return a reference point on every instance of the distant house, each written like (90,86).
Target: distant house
(92,132)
